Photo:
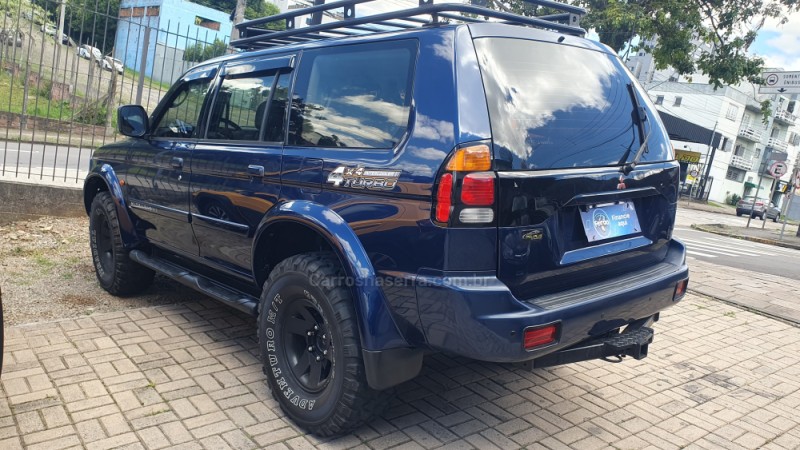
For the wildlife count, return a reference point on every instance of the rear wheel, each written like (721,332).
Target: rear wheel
(308,336)
(116,272)
(776,218)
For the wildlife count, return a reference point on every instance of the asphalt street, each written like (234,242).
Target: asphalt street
(24,158)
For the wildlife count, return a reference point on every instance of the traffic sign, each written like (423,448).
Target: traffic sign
(778,169)
(777,82)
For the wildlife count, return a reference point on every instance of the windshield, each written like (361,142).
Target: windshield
(557,106)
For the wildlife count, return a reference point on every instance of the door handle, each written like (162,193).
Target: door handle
(255,171)
(177,163)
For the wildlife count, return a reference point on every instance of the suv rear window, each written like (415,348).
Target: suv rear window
(557,106)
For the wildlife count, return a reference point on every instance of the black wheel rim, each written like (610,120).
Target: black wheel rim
(308,346)
(105,247)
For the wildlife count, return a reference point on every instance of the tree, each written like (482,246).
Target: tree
(202,51)
(726,27)
(255,9)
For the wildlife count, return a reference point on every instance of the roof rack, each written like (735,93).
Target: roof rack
(252,36)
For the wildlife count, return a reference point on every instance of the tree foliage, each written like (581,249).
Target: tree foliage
(202,51)
(254,9)
(706,36)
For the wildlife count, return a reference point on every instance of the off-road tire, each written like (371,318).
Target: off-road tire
(116,272)
(296,288)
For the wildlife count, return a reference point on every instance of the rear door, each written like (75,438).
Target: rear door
(565,119)
(236,168)
(159,174)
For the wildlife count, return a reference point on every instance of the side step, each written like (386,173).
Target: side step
(230,297)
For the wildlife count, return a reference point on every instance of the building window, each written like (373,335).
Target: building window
(735,174)
(206,23)
(733,112)
(739,151)
(659,100)
(677,101)
(758,153)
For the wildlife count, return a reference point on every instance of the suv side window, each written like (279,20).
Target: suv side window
(355,96)
(182,115)
(239,108)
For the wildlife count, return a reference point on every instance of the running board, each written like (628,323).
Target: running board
(230,297)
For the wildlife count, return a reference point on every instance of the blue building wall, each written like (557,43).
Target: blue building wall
(174,26)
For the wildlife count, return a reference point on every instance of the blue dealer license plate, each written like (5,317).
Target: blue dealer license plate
(601,222)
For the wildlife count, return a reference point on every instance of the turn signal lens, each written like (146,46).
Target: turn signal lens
(537,337)
(444,198)
(469,159)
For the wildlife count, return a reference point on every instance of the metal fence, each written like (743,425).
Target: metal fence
(59,92)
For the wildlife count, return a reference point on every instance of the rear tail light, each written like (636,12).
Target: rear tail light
(466,190)
(680,289)
(477,189)
(444,198)
(539,336)
(470,159)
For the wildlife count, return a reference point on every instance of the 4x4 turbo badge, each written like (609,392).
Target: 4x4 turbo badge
(362,178)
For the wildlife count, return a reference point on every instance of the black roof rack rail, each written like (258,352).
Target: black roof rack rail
(254,37)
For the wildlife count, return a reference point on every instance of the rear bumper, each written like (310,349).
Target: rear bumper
(478,317)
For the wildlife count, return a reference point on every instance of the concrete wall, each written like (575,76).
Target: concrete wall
(25,201)
(169,64)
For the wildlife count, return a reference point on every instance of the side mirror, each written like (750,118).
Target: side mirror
(132,121)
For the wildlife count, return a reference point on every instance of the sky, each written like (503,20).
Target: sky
(779,45)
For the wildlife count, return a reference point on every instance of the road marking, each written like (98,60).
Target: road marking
(725,249)
(692,252)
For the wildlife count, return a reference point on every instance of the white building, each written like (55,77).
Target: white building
(750,144)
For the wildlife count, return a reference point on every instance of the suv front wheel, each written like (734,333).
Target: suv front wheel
(116,272)
(310,348)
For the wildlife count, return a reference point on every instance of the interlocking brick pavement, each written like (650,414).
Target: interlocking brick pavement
(188,376)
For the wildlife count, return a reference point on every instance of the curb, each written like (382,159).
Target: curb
(747,308)
(746,238)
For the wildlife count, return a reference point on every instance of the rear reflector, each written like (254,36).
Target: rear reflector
(680,289)
(469,159)
(476,215)
(478,189)
(444,198)
(537,337)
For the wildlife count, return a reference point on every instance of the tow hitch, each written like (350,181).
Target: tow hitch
(628,343)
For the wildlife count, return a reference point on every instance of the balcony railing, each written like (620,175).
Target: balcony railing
(785,117)
(750,133)
(742,162)
(778,144)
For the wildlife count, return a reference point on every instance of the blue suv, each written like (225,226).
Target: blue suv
(373,194)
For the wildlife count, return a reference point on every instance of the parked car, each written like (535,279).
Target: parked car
(496,191)
(48,29)
(773,212)
(763,208)
(12,37)
(110,63)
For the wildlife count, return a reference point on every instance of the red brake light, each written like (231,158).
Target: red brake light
(537,337)
(478,189)
(444,198)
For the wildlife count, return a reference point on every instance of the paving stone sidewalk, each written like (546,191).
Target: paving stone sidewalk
(187,376)
(773,295)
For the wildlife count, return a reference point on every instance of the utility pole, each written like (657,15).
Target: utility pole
(238,17)
(712,150)
(60,32)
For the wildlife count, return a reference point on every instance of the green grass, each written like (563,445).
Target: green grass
(153,84)
(12,96)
